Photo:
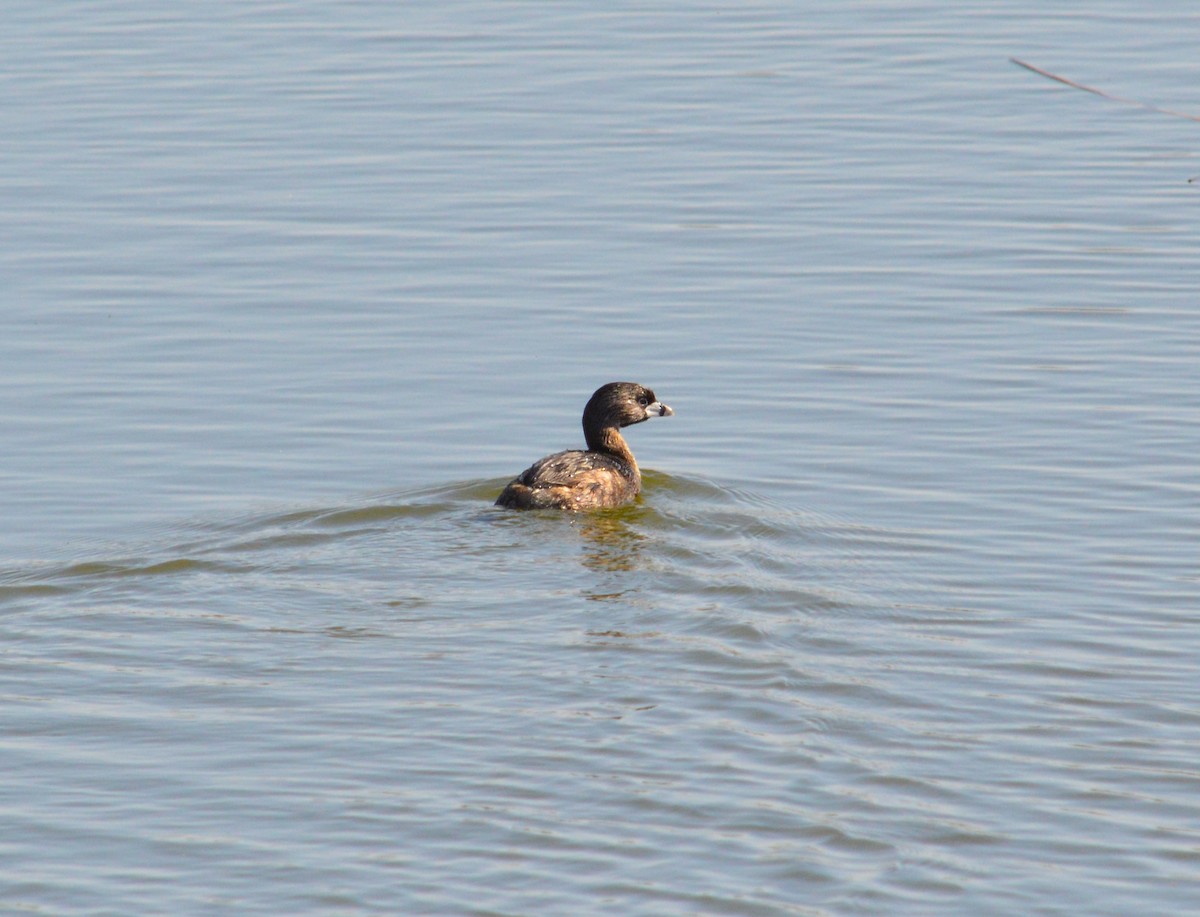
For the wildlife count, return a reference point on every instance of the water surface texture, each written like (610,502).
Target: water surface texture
(905,622)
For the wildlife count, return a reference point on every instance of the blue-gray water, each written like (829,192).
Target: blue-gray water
(906,621)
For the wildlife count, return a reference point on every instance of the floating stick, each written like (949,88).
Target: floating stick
(1100,92)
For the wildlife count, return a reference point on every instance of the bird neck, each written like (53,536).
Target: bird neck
(610,441)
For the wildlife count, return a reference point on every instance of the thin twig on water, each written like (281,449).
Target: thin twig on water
(1100,92)
(1105,95)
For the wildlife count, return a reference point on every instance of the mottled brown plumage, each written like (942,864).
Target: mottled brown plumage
(606,474)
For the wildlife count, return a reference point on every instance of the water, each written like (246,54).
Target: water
(905,622)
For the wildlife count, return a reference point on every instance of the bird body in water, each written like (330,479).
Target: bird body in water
(606,474)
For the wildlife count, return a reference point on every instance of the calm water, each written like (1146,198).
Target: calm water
(906,622)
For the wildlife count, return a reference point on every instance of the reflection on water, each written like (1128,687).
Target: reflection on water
(611,541)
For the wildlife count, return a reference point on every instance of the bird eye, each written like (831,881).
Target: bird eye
(643,400)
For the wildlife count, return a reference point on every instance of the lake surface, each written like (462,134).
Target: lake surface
(906,620)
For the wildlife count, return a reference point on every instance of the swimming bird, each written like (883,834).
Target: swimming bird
(604,475)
